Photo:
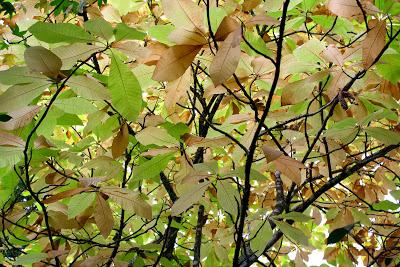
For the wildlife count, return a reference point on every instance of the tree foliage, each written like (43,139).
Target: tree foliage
(204,133)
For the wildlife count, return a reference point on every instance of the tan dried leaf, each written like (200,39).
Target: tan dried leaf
(103,216)
(120,142)
(374,42)
(129,200)
(174,62)
(227,59)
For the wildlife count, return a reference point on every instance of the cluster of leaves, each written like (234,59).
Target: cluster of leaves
(212,133)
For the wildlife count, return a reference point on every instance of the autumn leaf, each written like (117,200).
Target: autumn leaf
(103,216)
(129,200)
(227,58)
(120,142)
(175,61)
(374,42)
(42,60)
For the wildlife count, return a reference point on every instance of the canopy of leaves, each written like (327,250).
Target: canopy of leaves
(199,133)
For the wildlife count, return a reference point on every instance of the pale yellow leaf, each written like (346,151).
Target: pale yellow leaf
(189,198)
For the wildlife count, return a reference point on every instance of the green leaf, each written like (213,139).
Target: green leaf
(99,27)
(31,257)
(60,33)
(292,233)
(156,136)
(10,155)
(295,216)
(16,75)
(20,95)
(386,205)
(389,67)
(125,90)
(385,136)
(124,32)
(152,167)
(79,203)
(161,33)
(88,88)
(228,197)
(259,236)
(75,105)
(338,234)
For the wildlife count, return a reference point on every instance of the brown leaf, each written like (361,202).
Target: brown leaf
(7,139)
(42,60)
(184,13)
(374,42)
(129,200)
(270,153)
(175,91)
(103,216)
(132,49)
(227,59)
(262,20)
(183,36)
(250,4)
(290,167)
(227,26)
(332,54)
(120,142)
(20,118)
(174,62)
(349,8)
(64,194)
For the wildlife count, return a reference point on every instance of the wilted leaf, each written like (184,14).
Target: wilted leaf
(227,59)
(20,117)
(42,60)
(374,42)
(174,62)
(120,142)
(129,200)
(103,216)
